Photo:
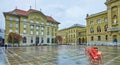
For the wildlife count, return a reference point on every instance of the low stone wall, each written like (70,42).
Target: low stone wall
(103,43)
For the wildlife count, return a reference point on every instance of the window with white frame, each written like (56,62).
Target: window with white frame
(91,30)
(42,23)
(16,25)
(24,20)
(24,26)
(37,22)
(10,25)
(31,32)
(31,26)
(91,22)
(37,32)
(42,28)
(11,18)
(24,31)
(16,31)
(98,21)
(105,20)
(31,21)
(42,33)
(10,30)
(17,19)
(37,27)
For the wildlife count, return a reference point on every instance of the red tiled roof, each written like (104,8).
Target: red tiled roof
(22,12)
(49,18)
(26,13)
(18,12)
(32,10)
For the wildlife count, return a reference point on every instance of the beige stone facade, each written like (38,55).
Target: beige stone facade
(33,25)
(75,34)
(104,26)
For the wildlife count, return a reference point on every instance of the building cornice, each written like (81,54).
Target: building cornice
(110,1)
(97,14)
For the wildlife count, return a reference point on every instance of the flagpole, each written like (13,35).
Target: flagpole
(35,4)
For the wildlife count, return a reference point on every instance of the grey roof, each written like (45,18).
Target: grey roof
(79,25)
(96,14)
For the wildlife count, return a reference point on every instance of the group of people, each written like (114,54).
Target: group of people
(95,56)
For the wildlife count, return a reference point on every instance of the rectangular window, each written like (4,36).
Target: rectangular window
(16,31)
(31,39)
(37,22)
(24,20)
(17,19)
(37,27)
(99,38)
(11,18)
(105,20)
(42,28)
(42,23)
(91,22)
(42,40)
(31,26)
(42,33)
(37,32)
(24,26)
(31,21)
(31,32)
(10,30)
(24,31)
(16,25)
(106,37)
(10,25)
(98,21)
(92,38)
(47,30)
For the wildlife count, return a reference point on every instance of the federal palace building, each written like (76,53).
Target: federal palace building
(100,27)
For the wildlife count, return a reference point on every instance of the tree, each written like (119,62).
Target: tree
(58,39)
(14,38)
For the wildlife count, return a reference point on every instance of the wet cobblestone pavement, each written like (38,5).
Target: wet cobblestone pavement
(55,55)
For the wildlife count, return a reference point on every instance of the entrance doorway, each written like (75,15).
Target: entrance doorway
(115,39)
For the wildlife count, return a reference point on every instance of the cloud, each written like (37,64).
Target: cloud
(67,12)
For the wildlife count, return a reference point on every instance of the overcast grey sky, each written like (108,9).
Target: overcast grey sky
(67,12)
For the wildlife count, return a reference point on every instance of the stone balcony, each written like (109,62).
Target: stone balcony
(113,29)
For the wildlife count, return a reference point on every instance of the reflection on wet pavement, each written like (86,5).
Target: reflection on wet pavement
(56,55)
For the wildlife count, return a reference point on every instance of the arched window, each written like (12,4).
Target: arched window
(105,27)
(24,39)
(99,38)
(48,40)
(98,29)
(114,19)
(91,30)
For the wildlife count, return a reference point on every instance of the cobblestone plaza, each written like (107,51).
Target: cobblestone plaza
(56,55)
